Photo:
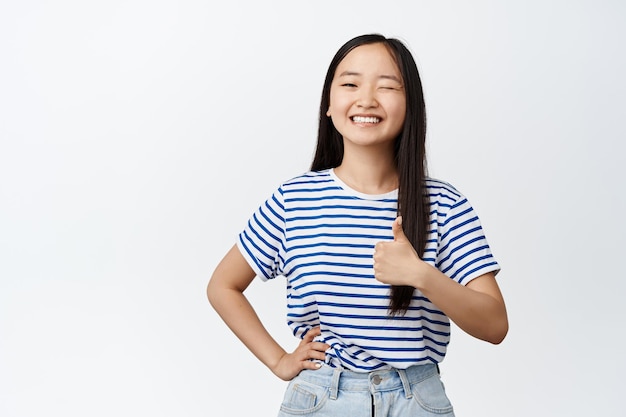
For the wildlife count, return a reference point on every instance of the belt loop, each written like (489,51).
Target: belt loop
(405,383)
(334,384)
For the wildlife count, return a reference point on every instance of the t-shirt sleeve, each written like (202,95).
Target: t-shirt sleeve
(261,242)
(464,253)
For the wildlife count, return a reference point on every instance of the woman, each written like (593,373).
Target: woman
(378,257)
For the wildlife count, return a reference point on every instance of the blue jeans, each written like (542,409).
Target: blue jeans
(330,392)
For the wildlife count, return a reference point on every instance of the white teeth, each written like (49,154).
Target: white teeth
(363,119)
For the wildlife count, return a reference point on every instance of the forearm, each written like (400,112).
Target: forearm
(234,308)
(481,314)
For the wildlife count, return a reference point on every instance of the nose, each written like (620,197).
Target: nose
(367,98)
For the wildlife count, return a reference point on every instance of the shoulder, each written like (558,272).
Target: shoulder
(310,180)
(306,182)
(439,191)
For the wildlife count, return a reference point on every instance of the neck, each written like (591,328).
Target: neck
(369,170)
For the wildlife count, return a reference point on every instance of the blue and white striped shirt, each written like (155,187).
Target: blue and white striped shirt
(320,234)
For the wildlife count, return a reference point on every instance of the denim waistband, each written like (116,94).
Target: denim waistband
(337,379)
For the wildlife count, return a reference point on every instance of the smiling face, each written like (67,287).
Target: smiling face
(367,97)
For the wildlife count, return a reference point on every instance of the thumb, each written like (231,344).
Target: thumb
(398,232)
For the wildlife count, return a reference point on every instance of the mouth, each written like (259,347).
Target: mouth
(365,119)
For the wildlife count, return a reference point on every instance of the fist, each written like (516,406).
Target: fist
(396,262)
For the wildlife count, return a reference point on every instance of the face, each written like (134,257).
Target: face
(367,97)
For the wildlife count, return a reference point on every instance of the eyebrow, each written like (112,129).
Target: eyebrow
(386,77)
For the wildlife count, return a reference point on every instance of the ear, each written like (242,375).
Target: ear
(328,112)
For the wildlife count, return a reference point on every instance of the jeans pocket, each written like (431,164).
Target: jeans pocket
(430,394)
(302,398)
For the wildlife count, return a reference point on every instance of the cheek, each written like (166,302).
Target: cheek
(398,111)
(336,102)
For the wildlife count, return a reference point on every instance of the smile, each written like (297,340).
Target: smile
(365,119)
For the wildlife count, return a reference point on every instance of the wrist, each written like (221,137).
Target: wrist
(424,273)
(272,358)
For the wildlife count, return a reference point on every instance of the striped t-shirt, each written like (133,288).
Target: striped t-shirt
(320,234)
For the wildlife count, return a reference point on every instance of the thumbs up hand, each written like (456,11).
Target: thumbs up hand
(396,262)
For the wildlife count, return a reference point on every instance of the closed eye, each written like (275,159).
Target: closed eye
(348,85)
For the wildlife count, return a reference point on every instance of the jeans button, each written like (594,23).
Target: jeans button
(376,379)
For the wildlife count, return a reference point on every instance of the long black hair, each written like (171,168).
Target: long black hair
(409,150)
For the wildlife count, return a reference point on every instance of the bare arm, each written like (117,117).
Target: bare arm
(225,292)
(478,308)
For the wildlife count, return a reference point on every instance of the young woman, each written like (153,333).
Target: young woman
(378,257)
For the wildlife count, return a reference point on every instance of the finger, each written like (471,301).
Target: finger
(311,365)
(310,334)
(398,232)
(315,354)
(378,275)
(319,346)
(378,251)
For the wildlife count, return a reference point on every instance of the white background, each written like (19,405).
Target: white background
(136,137)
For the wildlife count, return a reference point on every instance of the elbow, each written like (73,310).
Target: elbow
(496,339)
(498,332)
(217,291)
(211,293)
